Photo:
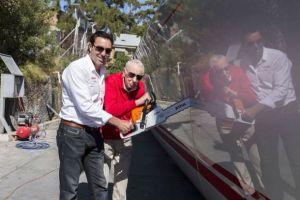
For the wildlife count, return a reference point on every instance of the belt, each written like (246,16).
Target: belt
(76,125)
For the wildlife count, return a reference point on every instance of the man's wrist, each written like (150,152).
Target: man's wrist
(113,121)
(258,108)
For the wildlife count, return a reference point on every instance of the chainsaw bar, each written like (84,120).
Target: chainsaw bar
(157,116)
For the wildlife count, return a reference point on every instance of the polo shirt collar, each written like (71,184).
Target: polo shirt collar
(264,56)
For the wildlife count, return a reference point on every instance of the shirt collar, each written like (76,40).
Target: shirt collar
(264,56)
(261,60)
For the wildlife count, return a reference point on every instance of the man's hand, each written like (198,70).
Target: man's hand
(142,99)
(123,125)
(230,92)
(250,113)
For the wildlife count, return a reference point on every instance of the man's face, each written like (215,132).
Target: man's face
(254,47)
(220,64)
(132,75)
(100,51)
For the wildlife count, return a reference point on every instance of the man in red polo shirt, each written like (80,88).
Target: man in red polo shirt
(123,92)
(229,85)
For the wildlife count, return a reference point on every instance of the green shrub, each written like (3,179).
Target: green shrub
(34,74)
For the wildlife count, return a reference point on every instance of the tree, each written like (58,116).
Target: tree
(66,22)
(122,16)
(120,61)
(24,26)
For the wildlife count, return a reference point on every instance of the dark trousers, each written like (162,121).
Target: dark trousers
(80,150)
(269,127)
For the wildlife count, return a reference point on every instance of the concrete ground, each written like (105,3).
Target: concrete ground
(33,174)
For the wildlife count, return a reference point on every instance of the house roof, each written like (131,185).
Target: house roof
(127,40)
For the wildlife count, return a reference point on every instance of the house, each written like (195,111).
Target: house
(126,43)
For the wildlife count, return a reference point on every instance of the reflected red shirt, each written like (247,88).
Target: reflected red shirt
(212,88)
(119,102)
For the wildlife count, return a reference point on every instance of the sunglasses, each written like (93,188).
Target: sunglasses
(101,49)
(132,75)
(255,42)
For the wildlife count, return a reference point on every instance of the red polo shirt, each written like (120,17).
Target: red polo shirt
(119,102)
(213,88)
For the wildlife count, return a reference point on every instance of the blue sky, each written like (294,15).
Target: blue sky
(64,3)
(127,8)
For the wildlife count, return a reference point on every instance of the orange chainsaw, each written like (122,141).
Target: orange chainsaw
(150,115)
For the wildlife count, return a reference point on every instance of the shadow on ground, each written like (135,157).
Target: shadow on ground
(153,175)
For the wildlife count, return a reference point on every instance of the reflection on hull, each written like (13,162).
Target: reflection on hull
(216,180)
(223,158)
(199,171)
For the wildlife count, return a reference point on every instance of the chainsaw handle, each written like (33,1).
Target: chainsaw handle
(145,109)
(124,135)
(142,124)
(134,128)
(153,97)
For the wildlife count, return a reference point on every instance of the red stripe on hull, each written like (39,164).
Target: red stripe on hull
(218,183)
(213,179)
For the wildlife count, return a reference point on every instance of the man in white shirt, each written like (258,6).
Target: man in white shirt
(269,71)
(79,141)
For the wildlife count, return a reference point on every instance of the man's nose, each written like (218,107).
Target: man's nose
(103,53)
(256,45)
(135,79)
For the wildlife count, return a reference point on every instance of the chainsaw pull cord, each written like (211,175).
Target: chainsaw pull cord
(142,124)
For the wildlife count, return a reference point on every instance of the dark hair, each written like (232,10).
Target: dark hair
(253,24)
(101,34)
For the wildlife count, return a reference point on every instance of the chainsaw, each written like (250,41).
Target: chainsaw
(151,115)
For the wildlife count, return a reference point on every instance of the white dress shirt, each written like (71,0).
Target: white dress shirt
(83,94)
(271,79)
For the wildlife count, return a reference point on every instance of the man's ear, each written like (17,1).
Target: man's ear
(124,72)
(89,47)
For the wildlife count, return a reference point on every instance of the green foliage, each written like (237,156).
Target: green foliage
(24,26)
(119,63)
(63,62)
(134,20)
(66,22)
(47,58)
(34,74)
(25,33)
(26,37)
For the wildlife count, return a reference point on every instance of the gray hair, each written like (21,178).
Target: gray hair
(134,62)
(215,58)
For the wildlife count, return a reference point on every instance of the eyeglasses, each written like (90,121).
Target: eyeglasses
(132,75)
(258,42)
(101,49)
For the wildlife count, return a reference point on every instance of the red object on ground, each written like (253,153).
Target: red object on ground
(24,132)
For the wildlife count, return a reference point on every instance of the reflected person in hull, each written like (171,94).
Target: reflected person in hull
(269,71)
(229,88)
